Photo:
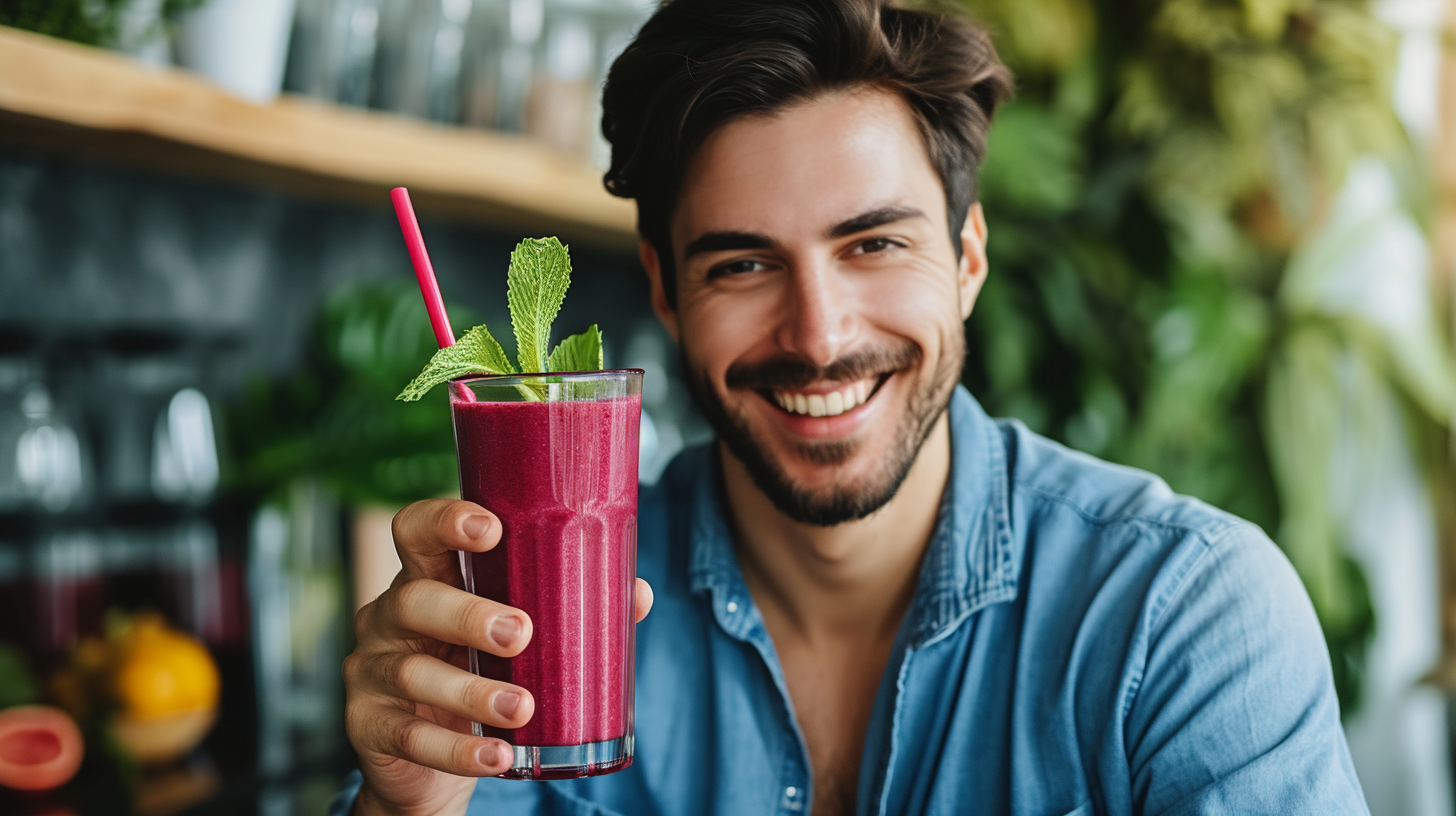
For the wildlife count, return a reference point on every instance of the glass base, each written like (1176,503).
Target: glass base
(570,761)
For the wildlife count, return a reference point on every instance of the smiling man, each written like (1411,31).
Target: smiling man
(870,597)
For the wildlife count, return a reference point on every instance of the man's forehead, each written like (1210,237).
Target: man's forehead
(809,166)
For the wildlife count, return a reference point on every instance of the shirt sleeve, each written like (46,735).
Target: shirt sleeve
(1236,711)
(343,801)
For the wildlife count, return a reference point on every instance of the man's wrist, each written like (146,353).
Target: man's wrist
(368,803)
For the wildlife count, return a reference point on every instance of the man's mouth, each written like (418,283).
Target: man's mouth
(827,402)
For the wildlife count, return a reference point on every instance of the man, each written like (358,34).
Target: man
(871,598)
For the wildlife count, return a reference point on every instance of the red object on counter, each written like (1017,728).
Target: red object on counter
(40,748)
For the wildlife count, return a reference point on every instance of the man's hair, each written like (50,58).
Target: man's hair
(698,64)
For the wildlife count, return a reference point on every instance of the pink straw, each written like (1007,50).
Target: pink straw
(424,272)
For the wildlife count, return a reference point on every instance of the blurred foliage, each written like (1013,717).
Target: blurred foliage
(93,22)
(84,21)
(335,417)
(17,684)
(1144,193)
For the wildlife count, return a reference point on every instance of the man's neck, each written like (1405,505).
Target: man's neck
(851,580)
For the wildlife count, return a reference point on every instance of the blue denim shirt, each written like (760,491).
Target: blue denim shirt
(1080,641)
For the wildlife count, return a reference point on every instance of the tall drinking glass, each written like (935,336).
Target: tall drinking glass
(555,457)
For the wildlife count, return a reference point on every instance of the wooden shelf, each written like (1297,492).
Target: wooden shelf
(61,96)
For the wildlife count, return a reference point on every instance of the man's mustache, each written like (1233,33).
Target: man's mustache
(788,373)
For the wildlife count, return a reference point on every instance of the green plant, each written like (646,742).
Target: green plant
(536,284)
(93,22)
(335,417)
(1144,193)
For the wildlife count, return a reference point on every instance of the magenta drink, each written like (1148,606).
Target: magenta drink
(555,457)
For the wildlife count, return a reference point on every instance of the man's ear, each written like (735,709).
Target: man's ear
(664,310)
(973,269)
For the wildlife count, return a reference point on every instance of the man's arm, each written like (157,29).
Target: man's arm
(1236,711)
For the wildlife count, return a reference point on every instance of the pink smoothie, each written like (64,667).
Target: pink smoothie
(562,477)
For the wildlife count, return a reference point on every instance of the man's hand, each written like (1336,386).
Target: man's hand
(411,697)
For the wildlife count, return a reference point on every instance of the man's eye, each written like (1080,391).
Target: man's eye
(733,268)
(870,245)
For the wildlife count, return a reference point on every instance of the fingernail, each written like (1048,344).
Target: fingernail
(505,630)
(475,526)
(494,755)
(506,703)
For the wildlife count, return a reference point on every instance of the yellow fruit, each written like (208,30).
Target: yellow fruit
(162,671)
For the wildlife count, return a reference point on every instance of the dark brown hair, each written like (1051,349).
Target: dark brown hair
(697,64)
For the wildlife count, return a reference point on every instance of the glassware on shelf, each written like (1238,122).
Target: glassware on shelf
(239,44)
(184,458)
(296,588)
(158,441)
(68,592)
(560,106)
(617,23)
(332,52)
(418,63)
(499,62)
(142,33)
(42,464)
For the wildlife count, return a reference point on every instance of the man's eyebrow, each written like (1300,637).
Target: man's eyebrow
(719,241)
(872,219)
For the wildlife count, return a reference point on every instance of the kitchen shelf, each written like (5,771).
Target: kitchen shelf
(57,95)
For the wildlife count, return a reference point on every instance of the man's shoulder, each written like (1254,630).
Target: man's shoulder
(1046,476)
(1099,526)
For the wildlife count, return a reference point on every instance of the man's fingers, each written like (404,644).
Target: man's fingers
(395,732)
(420,678)
(644,599)
(427,535)
(449,615)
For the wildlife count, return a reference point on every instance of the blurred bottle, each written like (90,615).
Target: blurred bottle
(562,88)
(296,584)
(418,64)
(332,50)
(499,62)
(15,615)
(617,23)
(68,592)
(190,564)
(142,33)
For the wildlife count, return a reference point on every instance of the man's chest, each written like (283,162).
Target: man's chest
(833,693)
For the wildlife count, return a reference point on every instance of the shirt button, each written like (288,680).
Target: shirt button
(733,607)
(791,791)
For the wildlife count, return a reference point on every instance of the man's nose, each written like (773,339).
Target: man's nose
(819,322)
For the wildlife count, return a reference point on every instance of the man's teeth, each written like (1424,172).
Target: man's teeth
(821,405)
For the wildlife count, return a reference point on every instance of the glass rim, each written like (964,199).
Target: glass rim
(575,376)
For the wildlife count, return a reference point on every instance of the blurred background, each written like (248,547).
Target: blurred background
(1223,241)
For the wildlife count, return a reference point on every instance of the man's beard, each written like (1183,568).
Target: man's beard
(841,503)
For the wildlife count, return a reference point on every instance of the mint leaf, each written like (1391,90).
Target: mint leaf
(477,352)
(536,284)
(579,352)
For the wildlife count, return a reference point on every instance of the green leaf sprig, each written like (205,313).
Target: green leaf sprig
(536,284)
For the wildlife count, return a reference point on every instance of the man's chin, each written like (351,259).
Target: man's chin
(846,467)
(820,483)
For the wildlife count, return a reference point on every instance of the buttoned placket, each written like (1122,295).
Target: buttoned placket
(968,566)
(740,619)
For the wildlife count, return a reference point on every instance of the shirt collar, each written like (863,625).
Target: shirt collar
(969,564)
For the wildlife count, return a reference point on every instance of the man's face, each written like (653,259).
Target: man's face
(820,304)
